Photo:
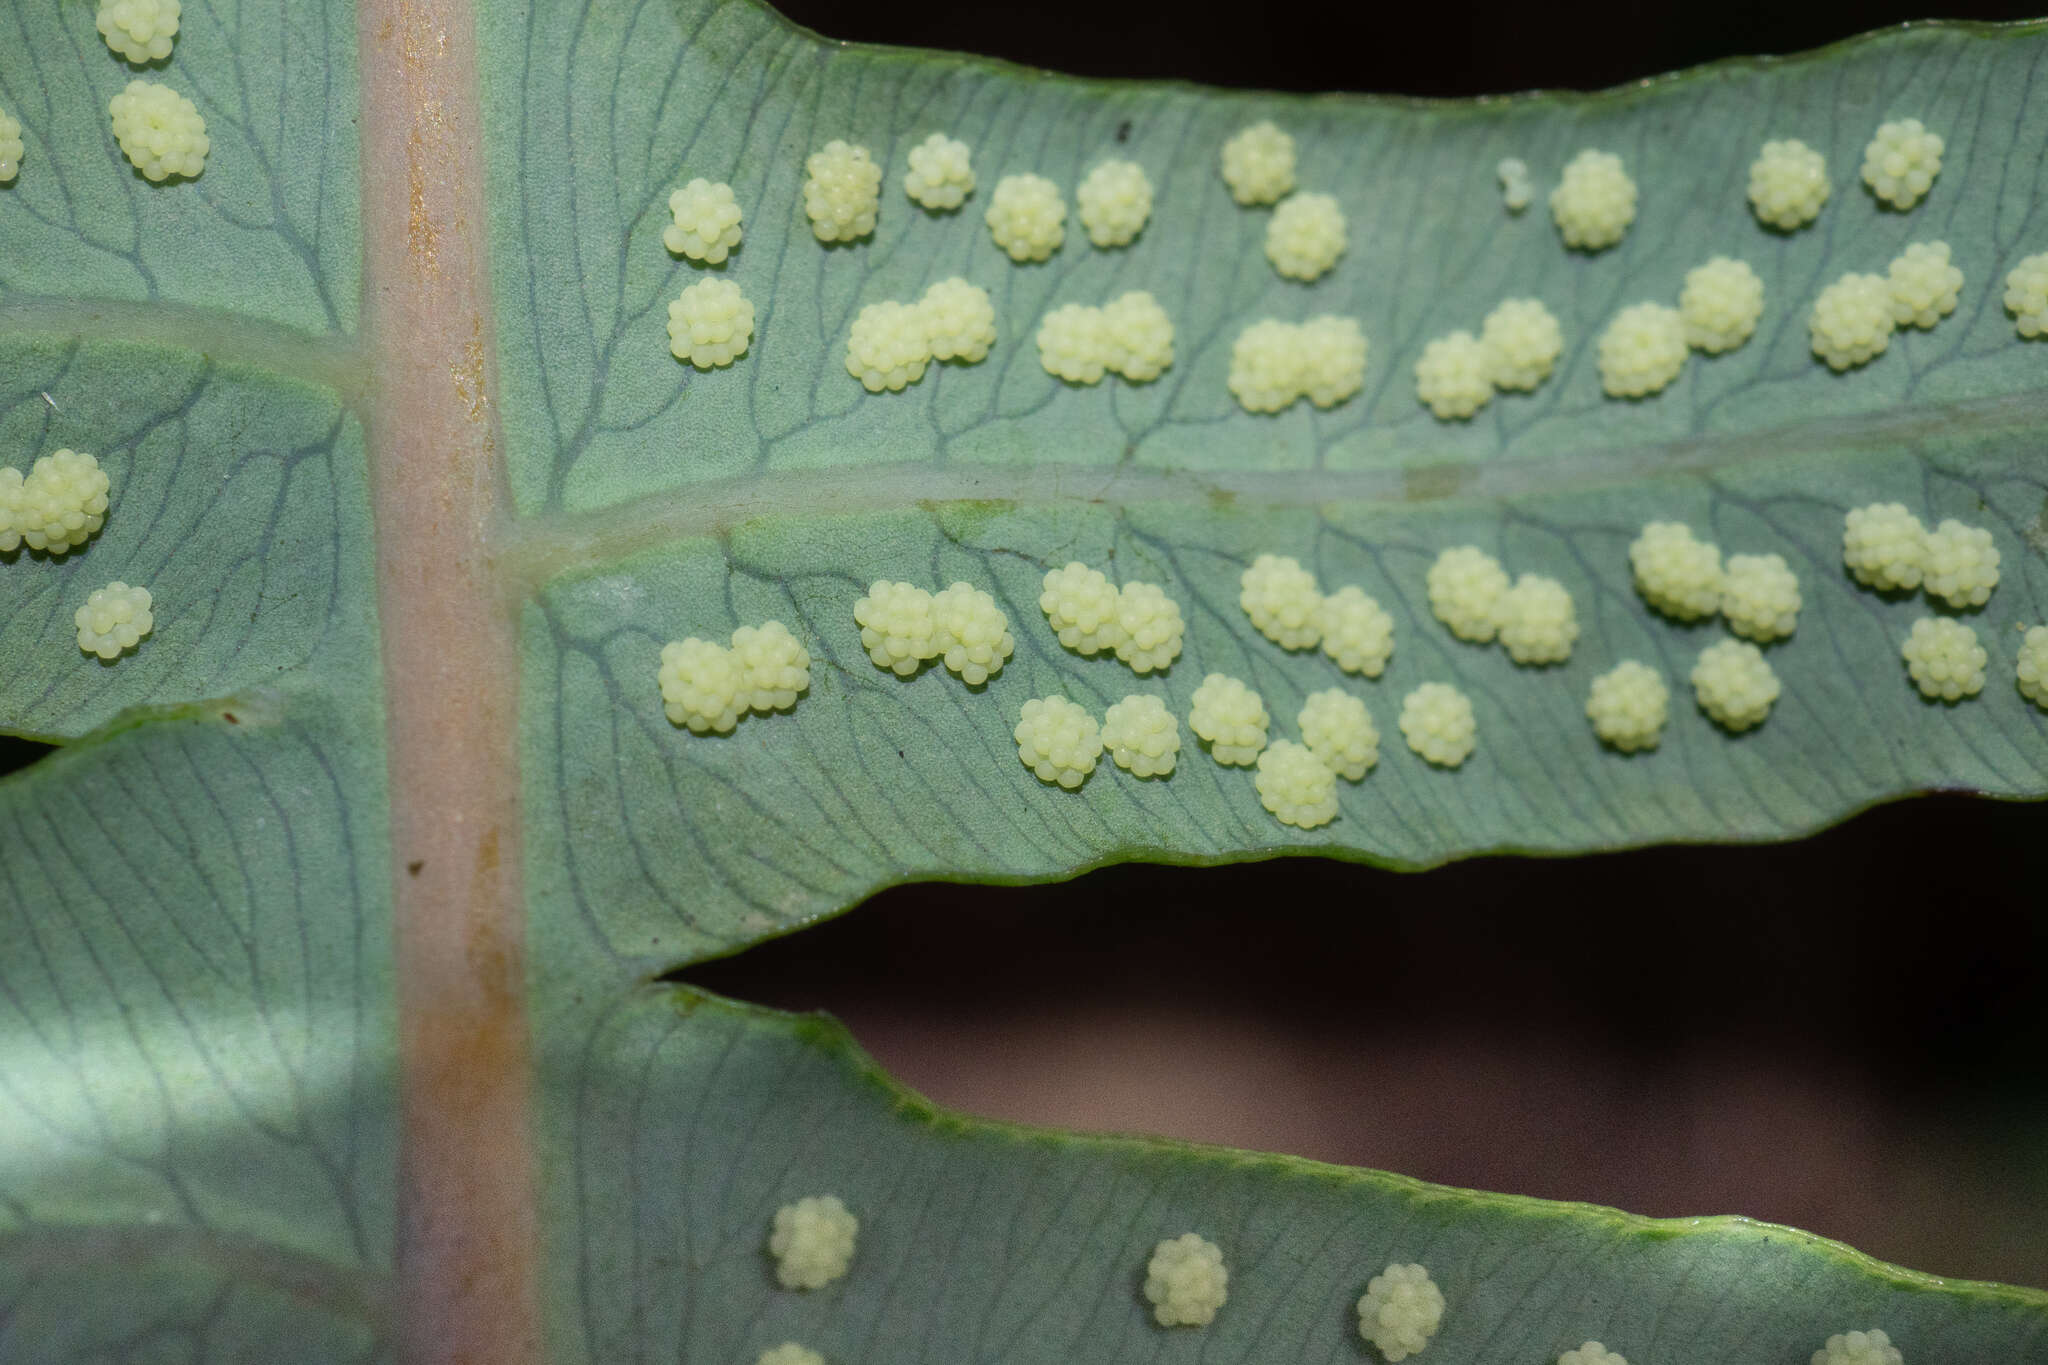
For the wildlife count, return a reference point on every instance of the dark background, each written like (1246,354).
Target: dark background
(1847,1033)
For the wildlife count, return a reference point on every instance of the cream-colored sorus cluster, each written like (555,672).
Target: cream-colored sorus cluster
(891,344)
(61,504)
(12,149)
(1306,235)
(1517,348)
(113,620)
(2032,670)
(1258,164)
(1186,1281)
(1273,363)
(139,31)
(789,1353)
(1400,1311)
(842,191)
(1901,162)
(1720,304)
(2026,294)
(1594,202)
(160,131)
(1735,684)
(1788,184)
(1532,617)
(1142,736)
(1888,548)
(1115,202)
(1437,722)
(1629,705)
(711,323)
(1138,622)
(1026,217)
(812,1241)
(704,221)
(1642,350)
(1683,578)
(1130,336)
(1230,718)
(708,687)
(1058,740)
(1592,1353)
(1516,188)
(1296,787)
(1289,608)
(1859,1348)
(941,174)
(902,627)
(1944,659)
(1853,318)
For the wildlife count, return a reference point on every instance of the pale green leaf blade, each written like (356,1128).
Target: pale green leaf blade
(692,1119)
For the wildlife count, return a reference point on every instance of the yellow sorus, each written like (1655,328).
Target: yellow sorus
(159,130)
(1628,706)
(812,1241)
(1138,335)
(1924,285)
(1944,659)
(971,633)
(1454,375)
(1295,787)
(1058,740)
(1266,365)
(1675,573)
(1901,162)
(1592,1353)
(113,620)
(1026,217)
(1142,736)
(1734,684)
(1642,350)
(1337,729)
(2032,671)
(888,346)
(1400,1311)
(1258,164)
(959,320)
(701,685)
(1114,200)
(1788,184)
(941,173)
(1523,342)
(1885,546)
(1306,235)
(1357,632)
(1186,1281)
(704,221)
(1150,625)
(1231,717)
(1437,722)
(58,507)
(139,30)
(710,323)
(1283,601)
(1852,320)
(842,191)
(1331,354)
(1074,343)
(2026,294)
(775,668)
(1720,304)
(789,1353)
(1594,202)
(11,148)
(899,626)
(1080,604)
(1516,189)
(1962,564)
(1538,624)
(1760,597)
(1859,1348)
(1465,587)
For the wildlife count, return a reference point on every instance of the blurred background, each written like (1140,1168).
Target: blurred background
(1848,1034)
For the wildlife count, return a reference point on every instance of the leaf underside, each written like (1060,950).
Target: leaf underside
(198,1019)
